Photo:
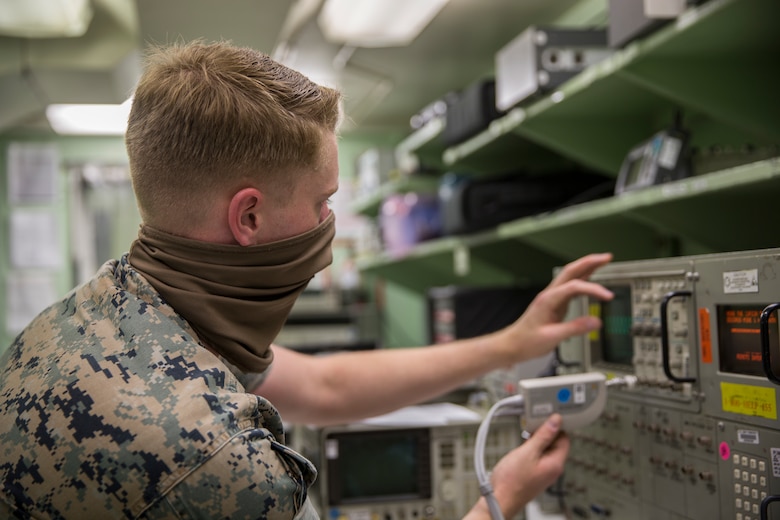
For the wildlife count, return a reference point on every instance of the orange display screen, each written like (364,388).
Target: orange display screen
(739,340)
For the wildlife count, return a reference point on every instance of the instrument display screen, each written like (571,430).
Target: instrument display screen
(740,342)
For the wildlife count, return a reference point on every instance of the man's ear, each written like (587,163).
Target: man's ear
(244,215)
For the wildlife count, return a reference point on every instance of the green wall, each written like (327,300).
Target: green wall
(60,277)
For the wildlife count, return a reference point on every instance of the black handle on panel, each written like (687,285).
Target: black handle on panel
(765,353)
(665,337)
(768,500)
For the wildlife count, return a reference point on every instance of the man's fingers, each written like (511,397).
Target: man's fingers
(582,267)
(574,327)
(546,434)
(564,293)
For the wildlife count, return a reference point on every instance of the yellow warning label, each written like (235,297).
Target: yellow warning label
(749,400)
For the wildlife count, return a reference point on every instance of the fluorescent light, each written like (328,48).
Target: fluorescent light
(89,119)
(45,18)
(377,23)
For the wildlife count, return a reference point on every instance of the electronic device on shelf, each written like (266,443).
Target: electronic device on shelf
(407,219)
(469,111)
(665,157)
(632,19)
(473,204)
(542,58)
(467,311)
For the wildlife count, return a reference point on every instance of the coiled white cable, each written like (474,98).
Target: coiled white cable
(512,405)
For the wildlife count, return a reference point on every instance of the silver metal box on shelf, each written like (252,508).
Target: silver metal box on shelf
(540,59)
(633,19)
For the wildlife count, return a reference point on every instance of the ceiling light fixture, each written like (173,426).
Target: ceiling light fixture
(45,18)
(377,23)
(89,119)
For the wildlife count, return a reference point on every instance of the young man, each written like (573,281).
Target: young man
(129,398)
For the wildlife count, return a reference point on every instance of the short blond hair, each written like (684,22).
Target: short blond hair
(207,117)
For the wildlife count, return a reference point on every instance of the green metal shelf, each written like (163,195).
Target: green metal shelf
(696,211)
(716,66)
(423,145)
(489,261)
(498,150)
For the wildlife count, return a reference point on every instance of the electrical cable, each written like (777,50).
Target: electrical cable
(483,478)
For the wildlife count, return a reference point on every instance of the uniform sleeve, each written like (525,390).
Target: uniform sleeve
(249,380)
(251,476)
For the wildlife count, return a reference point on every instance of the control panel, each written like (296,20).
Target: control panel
(697,436)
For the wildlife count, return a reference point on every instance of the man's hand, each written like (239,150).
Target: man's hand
(526,471)
(541,328)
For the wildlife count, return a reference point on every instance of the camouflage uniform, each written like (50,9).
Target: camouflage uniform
(110,407)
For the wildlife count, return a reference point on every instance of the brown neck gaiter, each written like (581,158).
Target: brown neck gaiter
(236,298)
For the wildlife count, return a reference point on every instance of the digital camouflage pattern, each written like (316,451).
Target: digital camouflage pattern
(111,408)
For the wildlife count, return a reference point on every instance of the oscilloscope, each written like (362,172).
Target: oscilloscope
(698,436)
(423,472)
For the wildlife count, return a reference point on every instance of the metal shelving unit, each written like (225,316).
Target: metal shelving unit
(715,65)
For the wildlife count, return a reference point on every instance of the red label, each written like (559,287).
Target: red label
(704,334)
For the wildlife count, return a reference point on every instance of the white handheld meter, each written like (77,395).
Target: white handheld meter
(579,398)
